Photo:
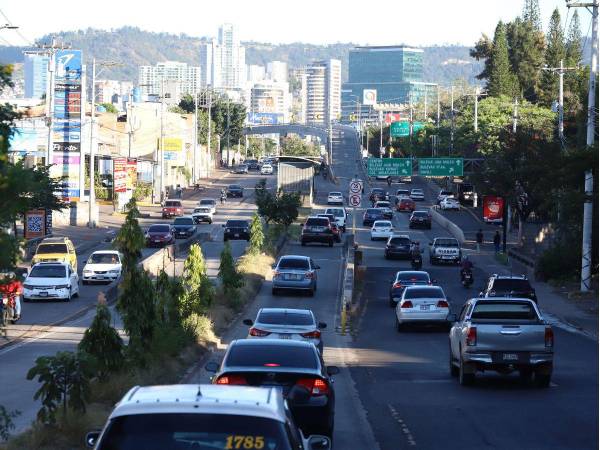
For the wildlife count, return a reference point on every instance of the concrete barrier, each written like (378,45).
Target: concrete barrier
(447,225)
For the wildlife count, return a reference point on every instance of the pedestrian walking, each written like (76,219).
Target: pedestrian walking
(497,242)
(479,239)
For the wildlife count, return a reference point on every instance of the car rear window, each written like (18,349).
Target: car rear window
(235,186)
(236,224)
(51,248)
(48,272)
(335,193)
(506,285)
(285,318)
(317,222)
(173,204)
(424,293)
(446,242)
(382,223)
(293,263)
(159,229)
(400,241)
(413,276)
(266,354)
(382,204)
(207,202)
(504,310)
(183,221)
(421,213)
(331,217)
(337,212)
(373,211)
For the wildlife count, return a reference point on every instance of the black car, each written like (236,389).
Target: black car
(378,194)
(183,227)
(397,247)
(236,229)
(317,229)
(371,215)
(252,164)
(235,190)
(420,219)
(407,278)
(517,286)
(296,367)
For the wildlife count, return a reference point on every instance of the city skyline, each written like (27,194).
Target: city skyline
(463,20)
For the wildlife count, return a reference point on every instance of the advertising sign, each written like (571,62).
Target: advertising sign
(441,167)
(172,148)
(131,173)
(388,167)
(35,221)
(264,118)
(120,174)
(369,97)
(493,209)
(29,139)
(392,117)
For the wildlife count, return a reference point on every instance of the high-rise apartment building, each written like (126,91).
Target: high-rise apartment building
(223,60)
(277,71)
(272,98)
(35,68)
(255,74)
(323,91)
(188,79)
(210,63)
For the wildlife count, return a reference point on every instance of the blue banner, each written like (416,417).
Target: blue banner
(257,118)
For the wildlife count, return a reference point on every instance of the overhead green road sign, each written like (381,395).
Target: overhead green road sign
(418,126)
(389,167)
(399,129)
(441,167)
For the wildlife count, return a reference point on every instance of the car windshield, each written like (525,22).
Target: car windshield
(508,284)
(236,224)
(207,202)
(382,204)
(159,229)
(285,318)
(446,242)
(51,248)
(417,191)
(377,191)
(172,204)
(382,223)
(293,263)
(433,292)
(193,431)
(400,241)
(267,355)
(183,221)
(103,258)
(201,210)
(402,192)
(504,310)
(48,272)
(235,186)
(317,222)
(413,276)
(446,193)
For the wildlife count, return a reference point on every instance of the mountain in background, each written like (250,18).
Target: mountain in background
(133,47)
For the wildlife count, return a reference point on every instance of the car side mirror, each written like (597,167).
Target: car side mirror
(248,322)
(211,367)
(333,370)
(318,442)
(91,438)
(451,318)
(322,325)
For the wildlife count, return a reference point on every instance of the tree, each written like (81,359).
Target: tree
(555,53)
(526,50)
(257,236)
(501,80)
(229,118)
(296,146)
(281,208)
(531,14)
(103,343)
(483,52)
(110,108)
(130,238)
(198,290)
(6,422)
(169,294)
(231,279)
(573,44)
(65,381)
(266,202)
(287,208)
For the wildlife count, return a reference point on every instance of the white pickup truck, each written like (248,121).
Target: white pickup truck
(504,335)
(444,249)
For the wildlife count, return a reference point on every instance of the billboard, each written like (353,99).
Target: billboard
(392,117)
(369,97)
(29,138)
(262,118)
(172,148)
(493,209)
(120,174)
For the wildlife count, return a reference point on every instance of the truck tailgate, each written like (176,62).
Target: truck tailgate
(512,337)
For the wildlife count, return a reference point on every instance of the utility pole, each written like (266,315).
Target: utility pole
(228,133)
(587,251)
(162,139)
(381,134)
(452,119)
(476,127)
(561,71)
(437,123)
(91,221)
(209,124)
(195,149)
(425,108)
(514,124)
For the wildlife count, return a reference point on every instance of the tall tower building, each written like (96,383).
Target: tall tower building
(233,58)
(278,71)
(323,91)
(35,68)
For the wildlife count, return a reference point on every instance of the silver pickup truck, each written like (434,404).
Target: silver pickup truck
(504,335)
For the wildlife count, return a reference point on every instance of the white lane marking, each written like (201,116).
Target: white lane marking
(396,416)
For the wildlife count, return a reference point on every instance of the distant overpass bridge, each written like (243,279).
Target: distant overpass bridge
(286,128)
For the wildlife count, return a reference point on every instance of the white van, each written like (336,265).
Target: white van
(340,215)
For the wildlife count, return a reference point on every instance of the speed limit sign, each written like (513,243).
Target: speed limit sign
(355,187)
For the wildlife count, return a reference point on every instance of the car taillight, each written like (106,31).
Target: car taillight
(316,386)
(442,304)
(472,336)
(316,334)
(549,337)
(406,304)
(258,332)
(231,379)
(310,275)
(397,285)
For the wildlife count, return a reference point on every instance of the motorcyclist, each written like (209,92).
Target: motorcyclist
(223,195)
(389,181)
(415,255)
(12,289)
(466,266)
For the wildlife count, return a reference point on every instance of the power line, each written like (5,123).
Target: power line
(30,43)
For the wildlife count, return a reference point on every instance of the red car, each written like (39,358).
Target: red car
(159,235)
(172,208)
(406,204)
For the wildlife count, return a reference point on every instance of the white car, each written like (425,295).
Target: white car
(449,203)
(266,169)
(386,208)
(51,280)
(335,198)
(102,265)
(422,305)
(340,215)
(381,229)
(417,195)
(202,214)
(444,194)
(208,203)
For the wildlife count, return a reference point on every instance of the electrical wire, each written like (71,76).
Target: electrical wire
(27,41)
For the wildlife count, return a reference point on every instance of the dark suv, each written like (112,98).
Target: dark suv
(397,246)
(235,190)
(420,219)
(317,229)
(509,286)
(371,215)
(236,229)
(378,194)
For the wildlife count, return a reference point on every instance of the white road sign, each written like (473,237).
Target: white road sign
(355,187)
(369,97)
(354,200)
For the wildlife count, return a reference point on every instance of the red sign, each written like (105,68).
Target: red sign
(120,167)
(493,209)
(392,117)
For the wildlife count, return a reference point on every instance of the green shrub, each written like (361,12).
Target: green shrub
(562,261)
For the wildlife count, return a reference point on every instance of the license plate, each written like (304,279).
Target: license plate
(236,235)
(510,357)
(43,294)
(292,276)
(424,307)
(157,241)
(284,336)
(101,277)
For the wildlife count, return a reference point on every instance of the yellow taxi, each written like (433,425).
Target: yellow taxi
(56,249)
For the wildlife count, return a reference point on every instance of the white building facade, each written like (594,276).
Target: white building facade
(188,79)
(323,91)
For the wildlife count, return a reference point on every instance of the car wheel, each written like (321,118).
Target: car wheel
(372,238)
(386,256)
(465,379)
(311,293)
(392,303)
(542,380)
(76,294)
(274,291)
(26,300)
(225,239)
(303,243)
(84,282)
(525,375)
(399,326)
(453,369)
(431,261)
(330,243)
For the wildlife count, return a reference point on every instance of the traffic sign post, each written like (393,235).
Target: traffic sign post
(441,167)
(354,199)
(388,167)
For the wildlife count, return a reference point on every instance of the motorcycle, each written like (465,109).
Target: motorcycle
(9,308)
(466,278)
(416,261)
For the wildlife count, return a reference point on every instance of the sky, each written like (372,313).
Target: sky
(412,22)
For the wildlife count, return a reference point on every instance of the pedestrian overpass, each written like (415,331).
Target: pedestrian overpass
(289,128)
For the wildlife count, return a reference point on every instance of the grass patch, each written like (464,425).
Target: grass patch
(502,258)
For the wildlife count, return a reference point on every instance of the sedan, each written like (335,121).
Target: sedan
(406,278)
(386,208)
(420,219)
(381,229)
(422,305)
(102,265)
(184,227)
(450,203)
(235,190)
(294,324)
(371,215)
(417,195)
(406,204)
(335,198)
(51,280)
(295,272)
(236,229)
(397,246)
(266,169)
(159,235)
(242,168)
(296,367)
(202,214)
